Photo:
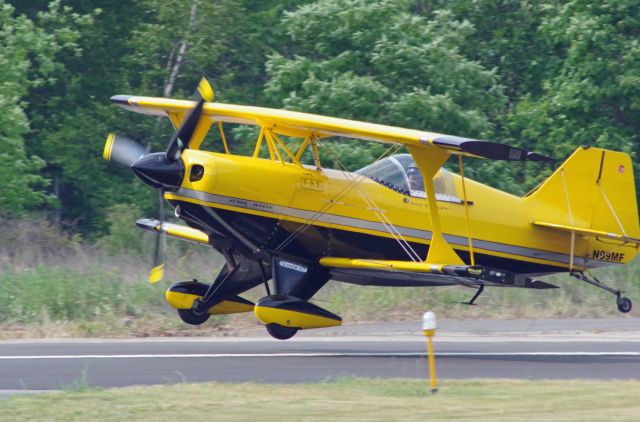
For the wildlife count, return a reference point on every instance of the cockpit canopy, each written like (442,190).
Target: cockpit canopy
(400,173)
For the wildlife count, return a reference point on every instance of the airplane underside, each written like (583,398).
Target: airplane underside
(310,242)
(259,249)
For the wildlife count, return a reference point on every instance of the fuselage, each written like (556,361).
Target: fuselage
(267,205)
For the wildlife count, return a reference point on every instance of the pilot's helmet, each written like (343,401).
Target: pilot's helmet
(413,171)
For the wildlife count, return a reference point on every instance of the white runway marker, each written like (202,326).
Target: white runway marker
(328,355)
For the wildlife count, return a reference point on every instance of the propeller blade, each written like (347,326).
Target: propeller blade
(157,272)
(180,140)
(122,150)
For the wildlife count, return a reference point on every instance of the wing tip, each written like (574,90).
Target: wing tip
(121,100)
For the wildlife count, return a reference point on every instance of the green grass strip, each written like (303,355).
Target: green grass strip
(343,400)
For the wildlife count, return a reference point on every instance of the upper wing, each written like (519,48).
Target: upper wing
(301,124)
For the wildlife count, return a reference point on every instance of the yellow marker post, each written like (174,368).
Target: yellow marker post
(429,330)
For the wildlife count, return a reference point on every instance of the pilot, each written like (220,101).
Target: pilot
(416,182)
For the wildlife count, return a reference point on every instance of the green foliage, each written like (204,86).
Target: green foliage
(543,75)
(383,62)
(506,38)
(28,61)
(75,117)
(176,42)
(122,236)
(378,61)
(593,98)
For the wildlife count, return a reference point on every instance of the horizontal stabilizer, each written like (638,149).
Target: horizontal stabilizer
(537,284)
(587,232)
(174,230)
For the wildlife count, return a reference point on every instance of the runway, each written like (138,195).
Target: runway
(464,349)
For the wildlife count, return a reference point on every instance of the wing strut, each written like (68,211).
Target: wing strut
(314,146)
(224,138)
(379,213)
(352,184)
(429,161)
(256,151)
(466,211)
(572,250)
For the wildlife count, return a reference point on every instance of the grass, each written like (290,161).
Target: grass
(574,299)
(98,301)
(344,400)
(56,301)
(53,285)
(56,285)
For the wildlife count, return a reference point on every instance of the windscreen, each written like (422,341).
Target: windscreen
(400,173)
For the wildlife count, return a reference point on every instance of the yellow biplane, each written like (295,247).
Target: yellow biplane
(403,220)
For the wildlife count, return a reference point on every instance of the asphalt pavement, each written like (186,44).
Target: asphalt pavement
(549,349)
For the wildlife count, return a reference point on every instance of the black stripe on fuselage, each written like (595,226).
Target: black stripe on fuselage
(316,242)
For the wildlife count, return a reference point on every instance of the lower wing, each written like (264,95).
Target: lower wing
(379,272)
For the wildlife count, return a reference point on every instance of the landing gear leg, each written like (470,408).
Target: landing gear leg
(624,304)
(264,279)
(287,310)
(201,306)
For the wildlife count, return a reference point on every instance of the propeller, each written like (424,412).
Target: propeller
(122,150)
(162,170)
(180,140)
(157,272)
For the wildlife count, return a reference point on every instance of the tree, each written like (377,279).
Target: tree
(379,61)
(149,48)
(29,62)
(507,39)
(71,118)
(593,99)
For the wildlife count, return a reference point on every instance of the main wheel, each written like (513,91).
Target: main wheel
(624,305)
(280,331)
(191,317)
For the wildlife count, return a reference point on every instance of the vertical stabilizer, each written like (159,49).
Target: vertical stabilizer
(593,189)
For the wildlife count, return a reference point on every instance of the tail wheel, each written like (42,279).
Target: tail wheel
(281,332)
(191,317)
